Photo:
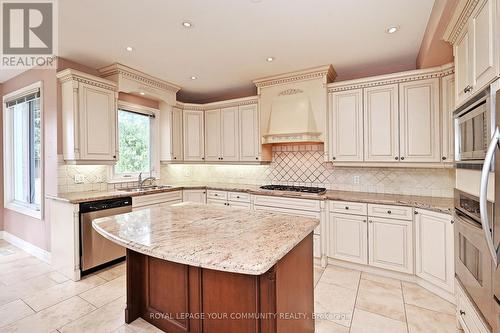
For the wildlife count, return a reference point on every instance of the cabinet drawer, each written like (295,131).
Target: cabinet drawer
(469,318)
(346,207)
(216,202)
(291,203)
(239,204)
(238,196)
(392,212)
(219,195)
(293,212)
(157,198)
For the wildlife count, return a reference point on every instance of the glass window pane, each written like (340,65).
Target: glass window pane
(134,143)
(20,153)
(35,161)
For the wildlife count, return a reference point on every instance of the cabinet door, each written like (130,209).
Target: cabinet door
(346,127)
(448,130)
(230,134)
(419,121)
(212,135)
(484,54)
(390,244)
(193,135)
(249,132)
(348,238)
(199,196)
(381,125)
(97,123)
(176,134)
(217,202)
(462,67)
(434,248)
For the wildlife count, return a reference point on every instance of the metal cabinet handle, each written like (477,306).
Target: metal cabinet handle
(483,193)
(389,212)
(364,221)
(443,158)
(175,157)
(347,207)
(237,197)
(402,158)
(257,158)
(333,158)
(467,89)
(396,158)
(462,312)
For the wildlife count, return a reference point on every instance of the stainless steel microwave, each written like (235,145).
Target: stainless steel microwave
(473,123)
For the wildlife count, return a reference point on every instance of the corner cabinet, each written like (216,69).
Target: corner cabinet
(193,136)
(434,248)
(346,124)
(89,117)
(222,135)
(447,124)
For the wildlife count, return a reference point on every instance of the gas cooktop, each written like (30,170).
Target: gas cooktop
(302,189)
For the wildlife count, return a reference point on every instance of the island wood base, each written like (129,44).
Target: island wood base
(181,298)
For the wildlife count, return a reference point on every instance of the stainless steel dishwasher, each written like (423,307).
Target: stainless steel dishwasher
(97,252)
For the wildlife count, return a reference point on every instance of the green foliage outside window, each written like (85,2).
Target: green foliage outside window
(134,142)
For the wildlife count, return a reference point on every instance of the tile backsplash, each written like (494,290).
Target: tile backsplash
(291,165)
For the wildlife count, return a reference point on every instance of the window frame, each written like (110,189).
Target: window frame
(10,203)
(114,177)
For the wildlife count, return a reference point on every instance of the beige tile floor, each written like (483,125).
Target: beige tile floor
(34,298)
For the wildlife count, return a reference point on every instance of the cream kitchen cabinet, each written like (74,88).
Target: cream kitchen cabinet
(152,200)
(229,199)
(434,255)
(381,123)
(390,244)
(249,132)
(170,133)
(447,123)
(476,50)
(346,125)
(193,135)
(89,118)
(419,117)
(221,135)
(177,153)
(348,237)
(199,196)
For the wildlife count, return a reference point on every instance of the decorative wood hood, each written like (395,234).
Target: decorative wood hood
(293,106)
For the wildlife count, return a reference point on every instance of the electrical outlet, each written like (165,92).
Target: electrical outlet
(355,179)
(79,179)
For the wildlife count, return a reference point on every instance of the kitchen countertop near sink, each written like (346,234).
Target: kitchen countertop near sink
(439,204)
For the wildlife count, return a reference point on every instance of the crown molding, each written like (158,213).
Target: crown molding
(459,20)
(218,105)
(327,73)
(138,76)
(414,75)
(75,75)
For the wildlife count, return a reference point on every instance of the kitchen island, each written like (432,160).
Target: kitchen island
(202,268)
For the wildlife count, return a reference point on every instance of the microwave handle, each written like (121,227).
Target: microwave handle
(483,194)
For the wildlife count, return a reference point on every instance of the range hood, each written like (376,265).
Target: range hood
(291,119)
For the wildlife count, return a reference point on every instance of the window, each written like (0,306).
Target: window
(136,142)
(22,146)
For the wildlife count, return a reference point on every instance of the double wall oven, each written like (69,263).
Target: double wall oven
(477,230)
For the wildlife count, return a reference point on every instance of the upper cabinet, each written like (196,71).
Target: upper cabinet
(177,152)
(400,119)
(212,135)
(419,118)
(381,123)
(170,133)
(89,109)
(193,134)
(475,38)
(249,132)
(221,138)
(346,116)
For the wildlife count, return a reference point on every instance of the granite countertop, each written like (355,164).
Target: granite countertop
(208,236)
(439,204)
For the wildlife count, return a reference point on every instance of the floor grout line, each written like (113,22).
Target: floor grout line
(404,307)
(355,301)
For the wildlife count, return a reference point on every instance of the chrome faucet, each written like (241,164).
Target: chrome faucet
(142,181)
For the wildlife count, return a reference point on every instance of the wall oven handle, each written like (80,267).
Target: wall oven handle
(483,194)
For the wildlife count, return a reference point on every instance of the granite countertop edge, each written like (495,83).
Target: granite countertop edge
(423,202)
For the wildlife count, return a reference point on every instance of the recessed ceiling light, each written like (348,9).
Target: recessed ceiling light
(269,59)
(142,93)
(187,24)
(129,48)
(194,77)
(391,30)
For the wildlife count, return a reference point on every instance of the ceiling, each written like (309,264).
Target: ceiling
(230,40)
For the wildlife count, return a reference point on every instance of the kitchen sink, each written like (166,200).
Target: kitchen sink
(145,188)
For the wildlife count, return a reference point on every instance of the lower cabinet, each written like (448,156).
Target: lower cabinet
(151,200)
(199,196)
(229,199)
(390,244)
(348,238)
(434,248)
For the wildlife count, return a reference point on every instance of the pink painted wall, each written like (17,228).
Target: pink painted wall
(34,231)
(1,162)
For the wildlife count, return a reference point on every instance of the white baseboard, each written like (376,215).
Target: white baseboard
(25,246)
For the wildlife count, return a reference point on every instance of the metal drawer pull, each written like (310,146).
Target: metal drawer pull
(346,207)
(462,313)
(389,212)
